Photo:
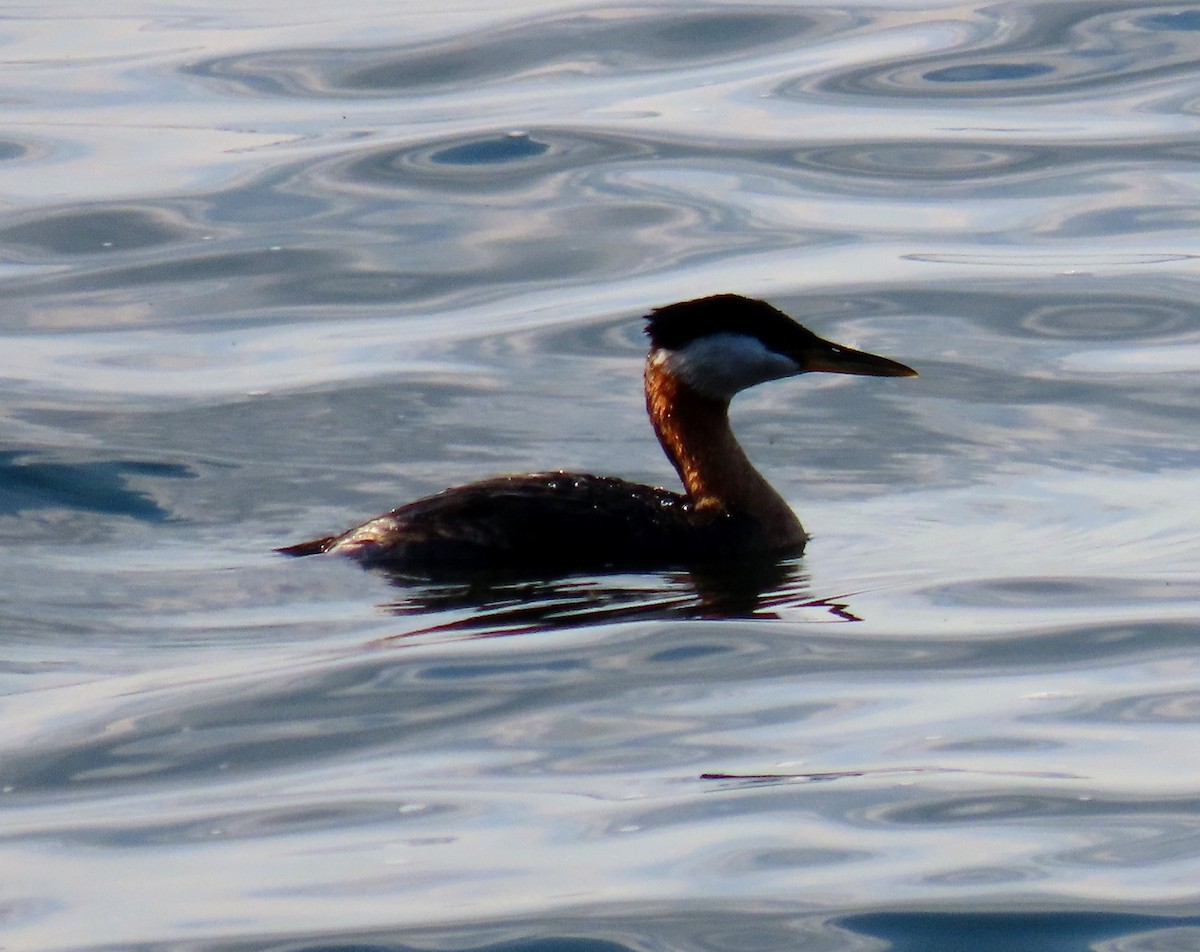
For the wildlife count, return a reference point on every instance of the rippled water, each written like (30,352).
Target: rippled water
(269,270)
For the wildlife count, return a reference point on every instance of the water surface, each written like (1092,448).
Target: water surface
(270,270)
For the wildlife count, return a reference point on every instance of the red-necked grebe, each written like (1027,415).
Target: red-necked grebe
(702,353)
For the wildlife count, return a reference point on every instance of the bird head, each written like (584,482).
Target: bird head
(721,345)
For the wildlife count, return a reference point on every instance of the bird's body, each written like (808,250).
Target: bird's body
(540,521)
(702,353)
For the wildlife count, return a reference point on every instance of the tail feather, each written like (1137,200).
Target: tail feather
(312,547)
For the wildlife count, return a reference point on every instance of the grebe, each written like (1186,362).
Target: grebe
(702,353)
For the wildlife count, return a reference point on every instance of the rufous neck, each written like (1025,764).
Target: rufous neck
(694,431)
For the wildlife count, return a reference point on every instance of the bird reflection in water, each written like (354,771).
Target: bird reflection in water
(493,605)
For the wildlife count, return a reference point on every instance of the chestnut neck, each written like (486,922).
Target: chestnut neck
(694,431)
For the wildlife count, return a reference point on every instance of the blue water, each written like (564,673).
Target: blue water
(269,270)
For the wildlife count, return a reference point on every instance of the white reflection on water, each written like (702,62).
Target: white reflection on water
(1173,359)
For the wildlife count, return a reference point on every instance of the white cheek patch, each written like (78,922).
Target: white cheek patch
(721,365)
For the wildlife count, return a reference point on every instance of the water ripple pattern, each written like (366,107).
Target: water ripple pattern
(268,270)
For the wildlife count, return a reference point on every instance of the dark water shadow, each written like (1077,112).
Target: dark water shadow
(1019,931)
(100,486)
(497,605)
(97,229)
(736,781)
